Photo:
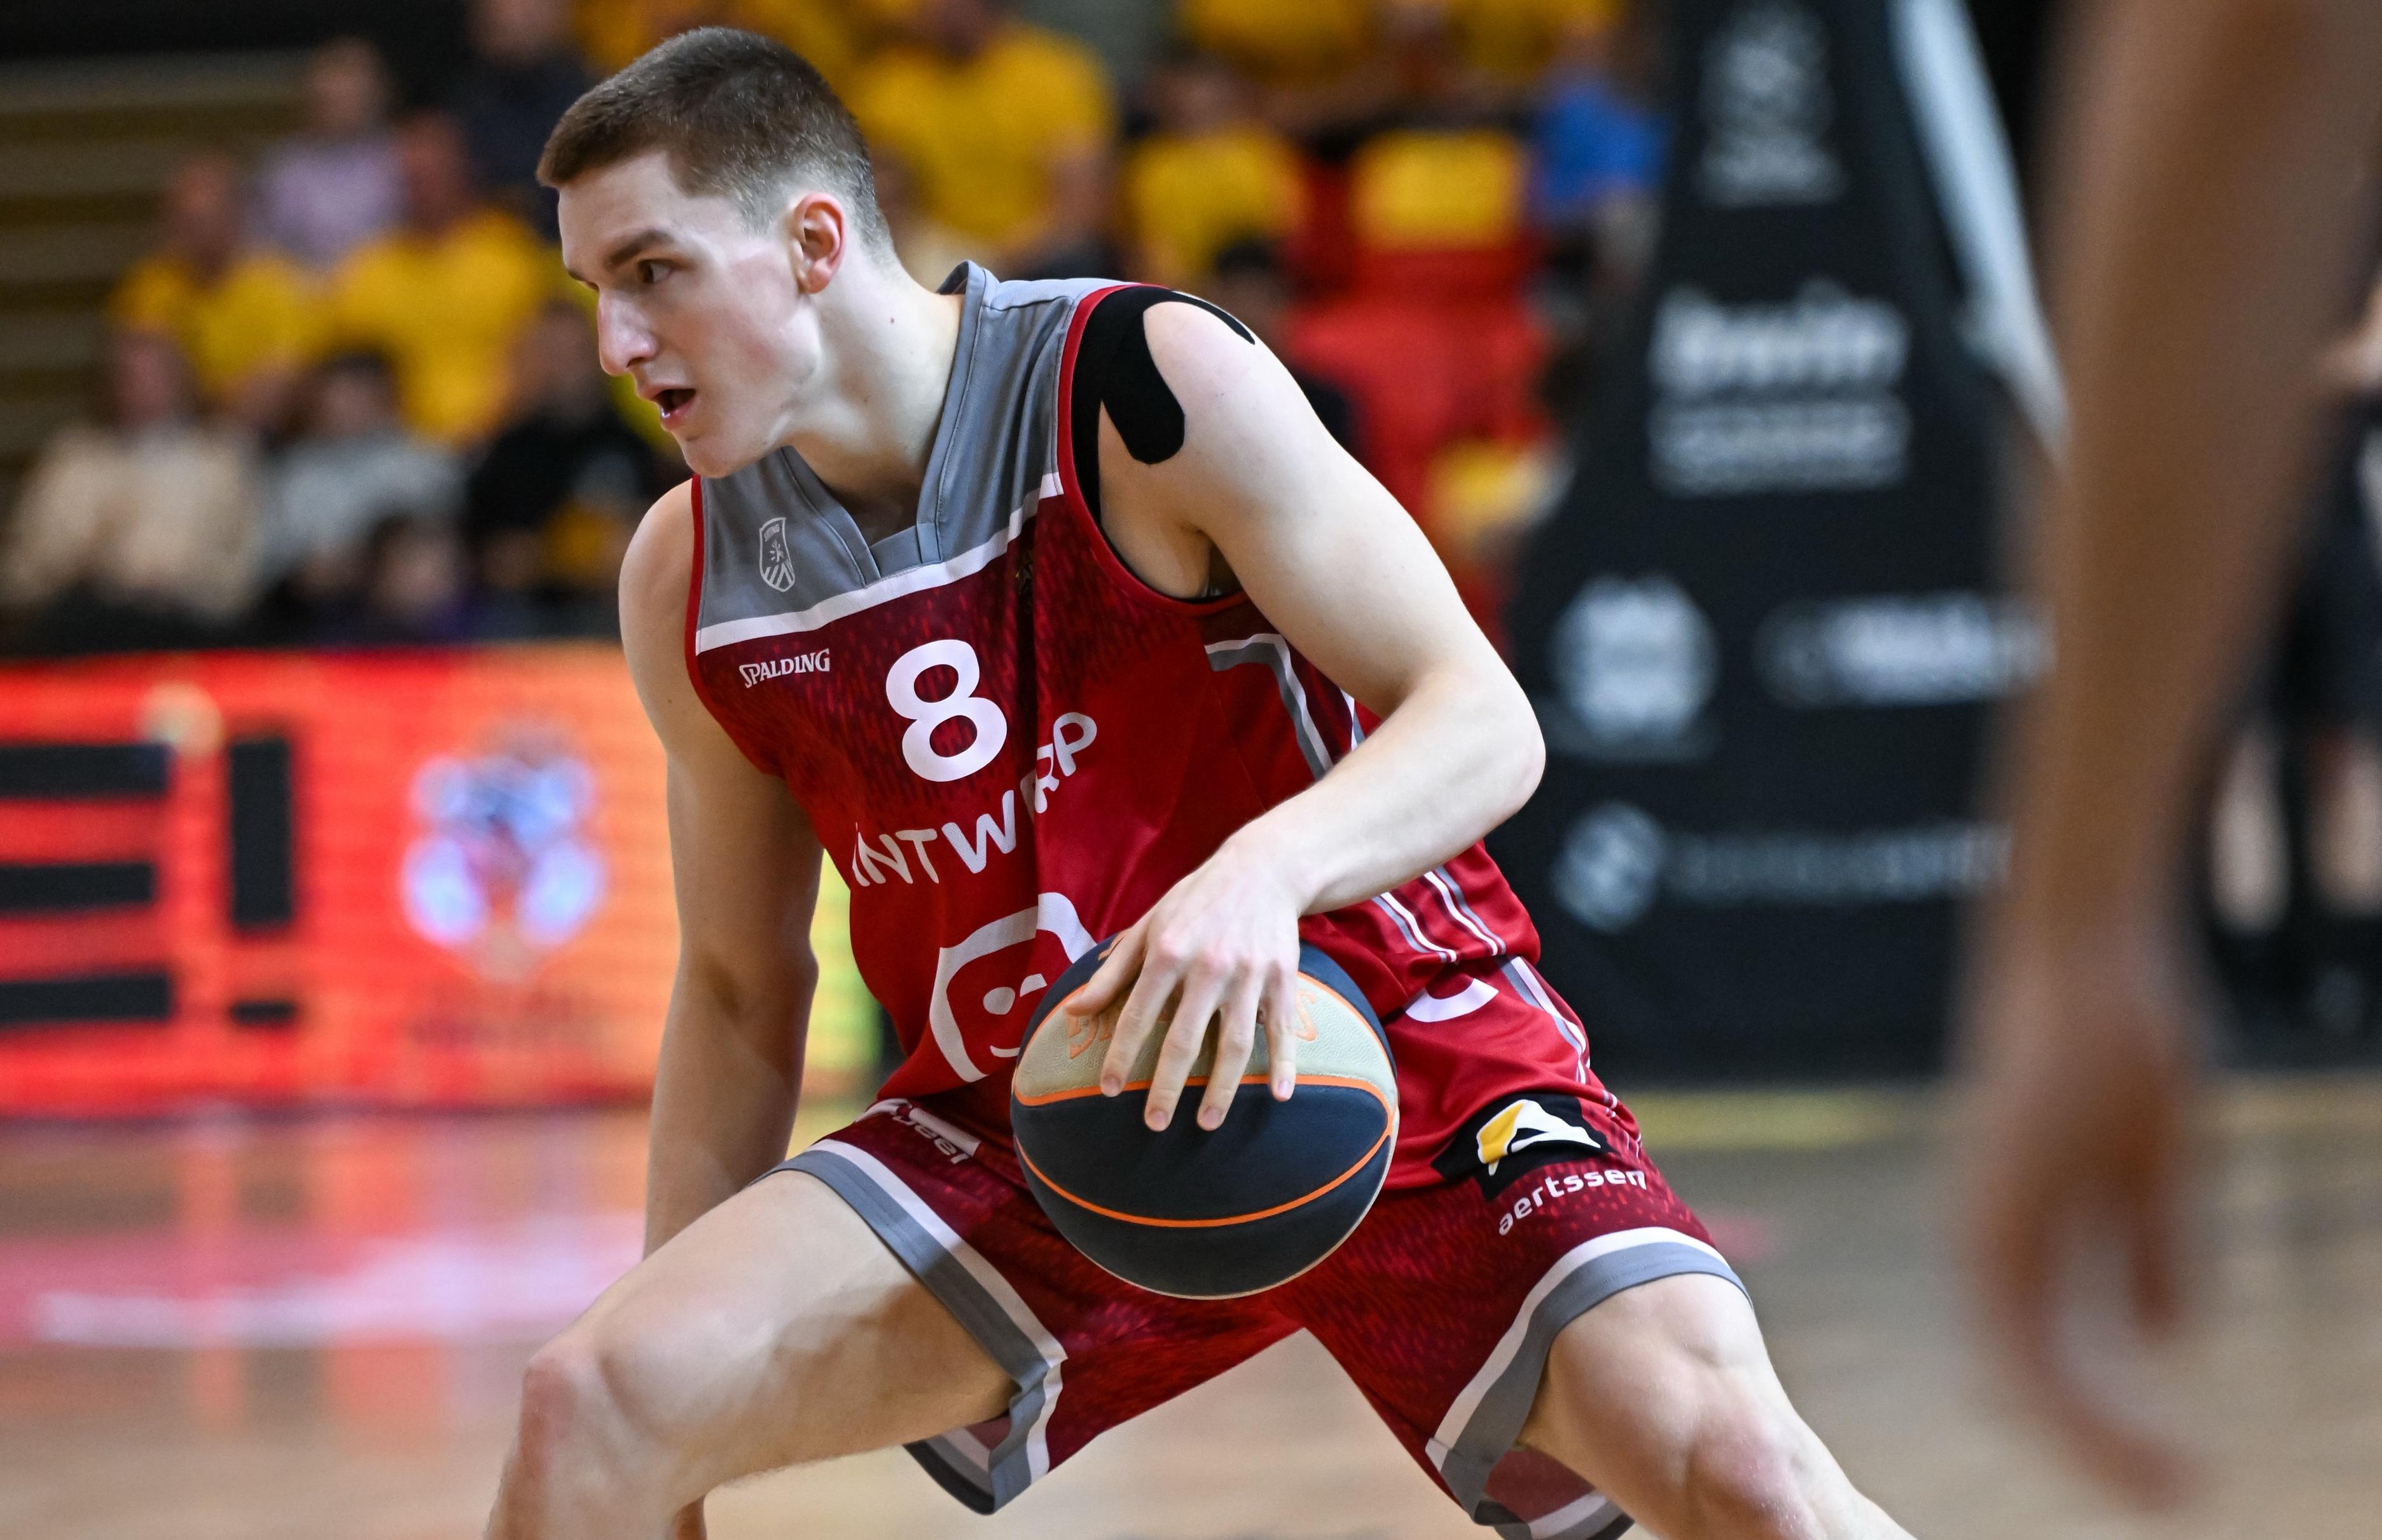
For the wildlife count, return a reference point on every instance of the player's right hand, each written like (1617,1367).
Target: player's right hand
(1223,947)
(2073,1155)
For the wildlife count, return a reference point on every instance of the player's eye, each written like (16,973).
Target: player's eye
(649,271)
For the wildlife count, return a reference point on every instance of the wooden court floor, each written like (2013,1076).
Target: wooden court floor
(237,1330)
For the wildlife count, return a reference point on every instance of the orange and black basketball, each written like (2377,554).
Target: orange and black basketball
(1208,1213)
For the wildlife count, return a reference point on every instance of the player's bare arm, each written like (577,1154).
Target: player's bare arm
(2209,217)
(744,866)
(1332,560)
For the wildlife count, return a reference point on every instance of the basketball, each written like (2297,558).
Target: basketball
(1208,1213)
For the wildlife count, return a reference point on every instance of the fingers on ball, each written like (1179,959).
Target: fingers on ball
(1235,1041)
(1185,1035)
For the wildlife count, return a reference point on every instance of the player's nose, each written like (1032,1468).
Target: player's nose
(622,339)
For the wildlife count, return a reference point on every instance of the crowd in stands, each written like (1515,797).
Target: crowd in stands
(350,397)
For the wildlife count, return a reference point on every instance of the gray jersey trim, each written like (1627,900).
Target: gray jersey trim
(1267,649)
(781,555)
(851,603)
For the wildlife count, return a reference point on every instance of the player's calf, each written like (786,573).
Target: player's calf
(1664,1397)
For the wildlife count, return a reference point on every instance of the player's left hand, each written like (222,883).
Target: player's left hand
(2075,1155)
(1222,946)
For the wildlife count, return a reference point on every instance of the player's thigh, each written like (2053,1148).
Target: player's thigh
(1665,1398)
(776,1329)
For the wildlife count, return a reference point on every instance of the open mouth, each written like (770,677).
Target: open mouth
(674,404)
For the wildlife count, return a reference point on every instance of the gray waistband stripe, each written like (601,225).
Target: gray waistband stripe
(1486,1416)
(983,1302)
(1614,1527)
(952,1471)
(1594,1517)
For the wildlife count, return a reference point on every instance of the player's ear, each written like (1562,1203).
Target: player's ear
(818,238)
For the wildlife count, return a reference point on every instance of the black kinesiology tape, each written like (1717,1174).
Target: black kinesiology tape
(1113,369)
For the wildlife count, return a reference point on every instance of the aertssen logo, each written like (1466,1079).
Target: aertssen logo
(802,662)
(1523,1124)
(777,558)
(1504,1142)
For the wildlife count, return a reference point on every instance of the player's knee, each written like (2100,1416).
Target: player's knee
(555,1391)
(1748,1474)
(570,1415)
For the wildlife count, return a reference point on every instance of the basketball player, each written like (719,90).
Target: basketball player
(2211,195)
(1049,611)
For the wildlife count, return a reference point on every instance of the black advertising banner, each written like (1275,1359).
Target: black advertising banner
(1763,632)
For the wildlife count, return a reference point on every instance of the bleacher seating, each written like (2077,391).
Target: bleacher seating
(85,146)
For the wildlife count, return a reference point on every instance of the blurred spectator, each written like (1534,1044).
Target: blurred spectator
(352,462)
(613,32)
(829,33)
(1005,128)
(413,587)
(1129,35)
(135,531)
(549,509)
(1413,190)
(1598,137)
(245,320)
(446,293)
(335,184)
(1300,44)
(1514,40)
(1210,173)
(524,74)
(1248,282)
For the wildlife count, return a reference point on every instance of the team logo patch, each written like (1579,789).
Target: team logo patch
(777,557)
(1507,1138)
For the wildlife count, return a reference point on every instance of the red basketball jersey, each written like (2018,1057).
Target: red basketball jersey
(1010,746)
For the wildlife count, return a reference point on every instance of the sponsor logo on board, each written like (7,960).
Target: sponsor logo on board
(1767,108)
(1634,662)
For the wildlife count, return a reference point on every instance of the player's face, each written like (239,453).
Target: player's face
(704,312)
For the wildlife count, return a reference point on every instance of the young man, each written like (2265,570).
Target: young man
(1049,611)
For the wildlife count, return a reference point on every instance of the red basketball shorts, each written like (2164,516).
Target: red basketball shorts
(1442,1307)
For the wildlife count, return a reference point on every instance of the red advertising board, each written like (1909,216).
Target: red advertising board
(433,878)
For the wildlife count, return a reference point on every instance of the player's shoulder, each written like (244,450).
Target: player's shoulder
(1231,390)
(659,565)
(1133,324)
(1193,340)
